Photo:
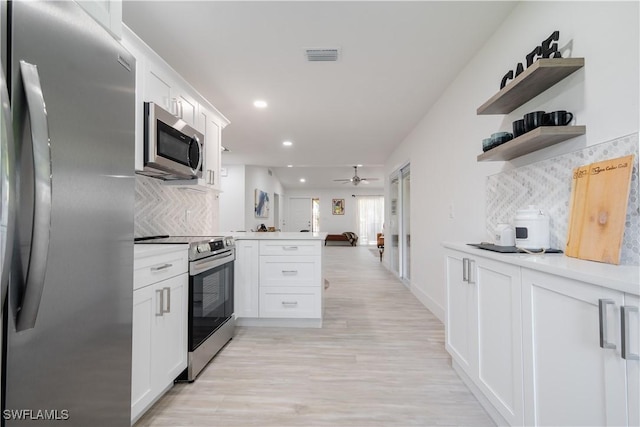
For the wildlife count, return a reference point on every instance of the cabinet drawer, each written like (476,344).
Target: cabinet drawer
(290,271)
(301,302)
(290,247)
(151,266)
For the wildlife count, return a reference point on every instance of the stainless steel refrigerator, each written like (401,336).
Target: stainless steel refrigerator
(67,212)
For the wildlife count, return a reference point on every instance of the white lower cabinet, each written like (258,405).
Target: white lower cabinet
(543,349)
(483,332)
(246,279)
(572,335)
(278,279)
(159,349)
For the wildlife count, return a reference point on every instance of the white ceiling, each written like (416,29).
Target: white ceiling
(396,58)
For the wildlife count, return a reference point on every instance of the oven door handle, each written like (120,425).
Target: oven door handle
(207,264)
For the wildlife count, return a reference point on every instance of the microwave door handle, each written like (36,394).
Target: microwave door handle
(39,251)
(7,189)
(195,137)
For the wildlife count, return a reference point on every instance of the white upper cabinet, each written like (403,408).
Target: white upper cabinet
(157,82)
(107,12)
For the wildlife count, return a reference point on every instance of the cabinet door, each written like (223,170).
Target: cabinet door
(157,87)
(632,341)
(187,108)
(569,379)
(211,165)
(107,12)
(461,339)
(499,329)
(141,387)
(169,342)
(246,284)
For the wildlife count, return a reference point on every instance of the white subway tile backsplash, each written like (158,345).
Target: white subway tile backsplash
(547,184)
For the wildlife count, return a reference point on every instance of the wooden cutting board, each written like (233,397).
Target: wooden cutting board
(599,198)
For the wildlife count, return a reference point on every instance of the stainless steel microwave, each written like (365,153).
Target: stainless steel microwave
(172,149)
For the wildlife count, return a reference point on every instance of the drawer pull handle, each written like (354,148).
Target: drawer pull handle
(161,267)
(289,271)
(289,303)
(290,248)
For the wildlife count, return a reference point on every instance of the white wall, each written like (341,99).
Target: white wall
(259,177)
(336,224)
(232,199)
(237,200)
(443,147)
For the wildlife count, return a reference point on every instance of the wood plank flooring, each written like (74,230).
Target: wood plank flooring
(379,360)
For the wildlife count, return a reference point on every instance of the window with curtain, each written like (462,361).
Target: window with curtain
(370,218)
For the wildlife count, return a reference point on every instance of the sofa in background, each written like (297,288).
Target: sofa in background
(347,237)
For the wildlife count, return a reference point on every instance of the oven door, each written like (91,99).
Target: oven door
(210,296)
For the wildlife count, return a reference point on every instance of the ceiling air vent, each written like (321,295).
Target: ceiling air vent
(322,54)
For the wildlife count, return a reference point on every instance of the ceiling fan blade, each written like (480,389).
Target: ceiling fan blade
(345,180)
(369,179)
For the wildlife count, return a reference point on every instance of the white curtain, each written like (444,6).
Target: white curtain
(370,218)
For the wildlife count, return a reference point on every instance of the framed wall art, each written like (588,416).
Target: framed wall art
(337,206)
(261,204)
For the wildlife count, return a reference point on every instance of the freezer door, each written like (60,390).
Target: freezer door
(71,361)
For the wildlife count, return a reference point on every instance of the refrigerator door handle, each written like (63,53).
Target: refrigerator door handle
(7,189)
(39,251)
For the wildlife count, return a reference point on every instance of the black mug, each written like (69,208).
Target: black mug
(559,118)
(533,120)
(518,128)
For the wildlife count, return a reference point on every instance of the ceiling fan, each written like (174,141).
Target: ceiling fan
(356,179)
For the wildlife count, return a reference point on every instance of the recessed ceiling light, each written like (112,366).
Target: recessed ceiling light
(287,143)
(303,180)
(260,103)
(289,166)
(359,166)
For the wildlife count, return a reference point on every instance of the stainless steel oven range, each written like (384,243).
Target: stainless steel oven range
(211,322)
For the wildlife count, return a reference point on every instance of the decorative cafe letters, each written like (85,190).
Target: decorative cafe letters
(548,49)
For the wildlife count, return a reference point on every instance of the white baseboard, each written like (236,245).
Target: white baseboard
(493,412)
(429,302)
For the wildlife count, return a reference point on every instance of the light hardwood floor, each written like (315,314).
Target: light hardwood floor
(379,360)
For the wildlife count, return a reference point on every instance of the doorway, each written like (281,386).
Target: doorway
(300,209)
(399,245)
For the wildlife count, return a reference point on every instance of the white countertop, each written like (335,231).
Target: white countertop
(151,249)
(278,235)
(625,278)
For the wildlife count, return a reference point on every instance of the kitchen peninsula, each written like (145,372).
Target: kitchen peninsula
(278,279)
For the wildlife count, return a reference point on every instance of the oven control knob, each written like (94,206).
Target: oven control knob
(203,248)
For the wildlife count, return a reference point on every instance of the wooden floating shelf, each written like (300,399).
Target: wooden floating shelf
(540,76)
(534,140)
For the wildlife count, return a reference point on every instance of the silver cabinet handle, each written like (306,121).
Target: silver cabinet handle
(289,271)
(168,289)
(181,110)
(289,248)
(470,272)
(289,303)
(8,182)
(160,306)
(161,267)
(174,104)
(39,251)
(625,310)
(602,306)
(465,277)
